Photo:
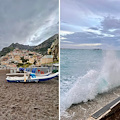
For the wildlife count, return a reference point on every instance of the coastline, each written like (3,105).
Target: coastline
(83,111)
(28,100)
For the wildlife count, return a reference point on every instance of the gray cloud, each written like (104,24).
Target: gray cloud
(110,23)
(90,38)
(93,28)
(83,37)
(88,13)
(20,20)
(92,21)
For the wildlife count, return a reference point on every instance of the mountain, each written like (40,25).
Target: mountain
(20,46)
(42,48)
(13,46)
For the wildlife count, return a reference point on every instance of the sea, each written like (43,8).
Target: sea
(86,73)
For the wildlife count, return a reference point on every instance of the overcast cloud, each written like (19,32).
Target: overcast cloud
(93,22)
(27,21)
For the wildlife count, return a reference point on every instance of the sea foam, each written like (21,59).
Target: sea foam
(94,82)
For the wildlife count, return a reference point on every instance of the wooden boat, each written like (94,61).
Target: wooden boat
(31,78)
(109,112)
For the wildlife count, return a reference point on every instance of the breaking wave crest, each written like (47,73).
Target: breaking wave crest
(94,82)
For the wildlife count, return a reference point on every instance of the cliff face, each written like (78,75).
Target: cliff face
(54,50)
(41,48)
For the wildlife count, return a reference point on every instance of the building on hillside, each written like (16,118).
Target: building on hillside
(31,60)
(38,63)
(4,63)
(47,59)
(26,57)
(5,58)
(16,58)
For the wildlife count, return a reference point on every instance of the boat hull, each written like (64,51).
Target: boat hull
(33,80)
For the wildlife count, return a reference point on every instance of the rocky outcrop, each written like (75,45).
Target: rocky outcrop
(54,49)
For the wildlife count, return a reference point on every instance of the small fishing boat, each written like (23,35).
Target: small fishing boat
(27,73)
(31,78)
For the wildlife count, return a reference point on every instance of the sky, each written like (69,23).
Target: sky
(90,24)
(28,22)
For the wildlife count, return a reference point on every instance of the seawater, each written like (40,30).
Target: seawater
(86,73)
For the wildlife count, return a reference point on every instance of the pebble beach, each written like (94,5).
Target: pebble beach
(28,101)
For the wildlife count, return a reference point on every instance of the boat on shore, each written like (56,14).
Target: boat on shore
(109,112)
(31,77)
(27,73)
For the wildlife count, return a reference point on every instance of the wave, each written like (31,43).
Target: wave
(94,82)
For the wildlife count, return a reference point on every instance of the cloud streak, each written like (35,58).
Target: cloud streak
(96,44)
(27,21)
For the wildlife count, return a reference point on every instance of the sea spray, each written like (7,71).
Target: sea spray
(94,82)
(81,90)
(111,69)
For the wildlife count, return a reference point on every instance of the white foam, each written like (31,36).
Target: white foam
(94,82)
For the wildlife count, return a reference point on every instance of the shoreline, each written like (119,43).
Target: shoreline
(83,111)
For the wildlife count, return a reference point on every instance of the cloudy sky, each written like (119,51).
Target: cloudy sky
(90,24)
(27,22)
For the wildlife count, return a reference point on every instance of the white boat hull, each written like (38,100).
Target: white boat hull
(37,79)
